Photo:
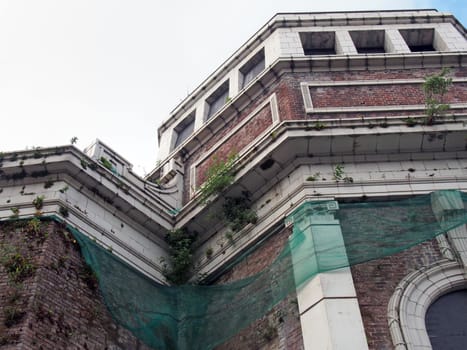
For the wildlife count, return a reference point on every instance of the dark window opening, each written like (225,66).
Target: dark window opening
(184,129)
(419,40)
(252,68)
(318,43)
(368,41)
(446,321)
(267,164)
(217,99)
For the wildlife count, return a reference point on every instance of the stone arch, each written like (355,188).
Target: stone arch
(412,298)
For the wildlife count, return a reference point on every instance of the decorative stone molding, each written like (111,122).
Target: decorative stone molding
(328,305)
(412,298)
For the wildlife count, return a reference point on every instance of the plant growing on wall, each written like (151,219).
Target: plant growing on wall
(106,163)
(218,177)
(17,266)
(435,88)
(180,242)
(237,213)
(38,202)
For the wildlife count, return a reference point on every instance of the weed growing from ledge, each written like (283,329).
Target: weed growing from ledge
(63,211)
(34,226)
(410,122)
(180,242)
(313,177)
(237,213)
(338,172)
(218,177)
(319,125)
(435,87)
(38,202)
(15,213)
(48,184)
(84,164)
(209,253)
(37,153)
(106,163)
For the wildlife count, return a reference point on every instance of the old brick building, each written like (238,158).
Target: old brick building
(315,107)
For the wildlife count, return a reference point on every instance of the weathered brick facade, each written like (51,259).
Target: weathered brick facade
(291,106)
(278,330)
(375,282)
(55,303)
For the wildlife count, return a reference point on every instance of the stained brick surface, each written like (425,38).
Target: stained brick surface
(241,139)
(280,328)
(375,282)
(59,304)
(291,106)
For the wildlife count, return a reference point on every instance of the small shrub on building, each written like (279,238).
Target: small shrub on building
(48,184)
(218,177)
(237,213)
(106,163)
(17,266)
(180,242)
(435,88)
(63,211)
(38,202)
(15,213)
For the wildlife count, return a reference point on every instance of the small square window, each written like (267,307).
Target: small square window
(184,129)
(217,99)
(368,41)
(252,68)
(318,43)
(419,40)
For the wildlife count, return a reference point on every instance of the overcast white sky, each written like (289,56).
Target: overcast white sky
(114,69)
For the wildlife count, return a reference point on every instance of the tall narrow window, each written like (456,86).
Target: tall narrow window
(184,129)
(217,99)
(318,43)
(419,40)
(252,68)
(368,41)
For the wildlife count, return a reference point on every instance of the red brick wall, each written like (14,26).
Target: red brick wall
(291,107)
(379,95)
(375,282)
(57,305)
(280,328)
(242,138)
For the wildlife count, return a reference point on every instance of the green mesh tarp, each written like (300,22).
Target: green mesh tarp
(326,235)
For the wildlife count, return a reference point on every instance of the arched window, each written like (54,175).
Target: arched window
(446,321)
(415,295)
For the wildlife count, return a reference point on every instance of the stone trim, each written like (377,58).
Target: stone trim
(412,297)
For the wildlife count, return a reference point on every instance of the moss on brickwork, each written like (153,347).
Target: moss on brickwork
(48,296)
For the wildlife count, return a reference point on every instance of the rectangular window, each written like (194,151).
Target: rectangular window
(318,43)
(217,99)
(184,129)
(252,68)
(419,40)
(368,41)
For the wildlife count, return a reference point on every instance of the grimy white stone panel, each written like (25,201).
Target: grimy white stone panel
(328,305)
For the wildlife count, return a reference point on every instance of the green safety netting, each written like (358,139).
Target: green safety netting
(326,236)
